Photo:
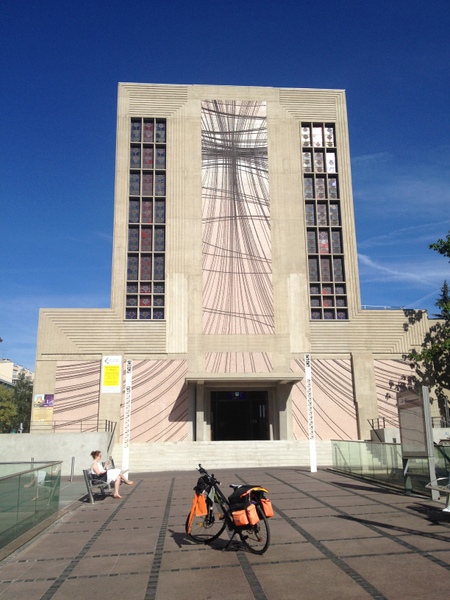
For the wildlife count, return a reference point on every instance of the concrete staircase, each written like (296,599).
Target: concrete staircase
(185,456)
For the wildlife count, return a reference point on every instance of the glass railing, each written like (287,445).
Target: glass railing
(383,463)
(29,494)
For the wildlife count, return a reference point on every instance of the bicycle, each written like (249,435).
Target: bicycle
(244,512)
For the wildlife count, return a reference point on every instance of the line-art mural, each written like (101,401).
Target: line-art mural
(237,253)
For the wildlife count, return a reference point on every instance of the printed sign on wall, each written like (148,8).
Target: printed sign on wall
(43,407)
(111,375)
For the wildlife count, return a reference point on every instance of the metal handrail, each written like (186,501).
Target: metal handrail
(41,464)
(77,426)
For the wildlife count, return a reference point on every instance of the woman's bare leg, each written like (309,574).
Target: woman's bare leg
(116,488)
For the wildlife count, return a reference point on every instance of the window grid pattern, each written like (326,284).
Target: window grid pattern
(145,288)
(327,284)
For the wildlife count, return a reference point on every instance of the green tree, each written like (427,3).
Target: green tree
(8,409)
(22,396)
(432,361)
(443,303)
(442,246)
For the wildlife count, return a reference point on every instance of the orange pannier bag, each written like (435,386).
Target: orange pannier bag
(252,514)
(200,506)
(267,507)
(240,517)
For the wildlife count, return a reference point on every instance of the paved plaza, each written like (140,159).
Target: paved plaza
(332,537)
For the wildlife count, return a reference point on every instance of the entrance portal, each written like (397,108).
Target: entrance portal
(239,416)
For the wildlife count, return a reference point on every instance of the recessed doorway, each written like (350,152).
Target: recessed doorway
(239,415)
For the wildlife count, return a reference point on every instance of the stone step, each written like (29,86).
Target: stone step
(183,456)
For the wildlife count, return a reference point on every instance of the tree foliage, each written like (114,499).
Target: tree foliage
(432,360)
(22,396)
(442,246)
(8,409)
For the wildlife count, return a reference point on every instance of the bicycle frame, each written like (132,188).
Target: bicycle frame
(210,518)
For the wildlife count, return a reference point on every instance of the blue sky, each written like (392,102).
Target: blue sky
(61,62)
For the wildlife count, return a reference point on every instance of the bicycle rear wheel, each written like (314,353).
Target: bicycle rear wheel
(208,528)
(257,537)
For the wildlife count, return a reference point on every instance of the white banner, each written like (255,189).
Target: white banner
(310,410)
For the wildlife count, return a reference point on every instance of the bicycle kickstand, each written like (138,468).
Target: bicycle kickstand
(229,541)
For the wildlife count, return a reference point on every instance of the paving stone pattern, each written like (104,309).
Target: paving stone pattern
(332,537)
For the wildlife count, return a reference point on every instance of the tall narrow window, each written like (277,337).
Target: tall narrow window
(145,292)
(327,285)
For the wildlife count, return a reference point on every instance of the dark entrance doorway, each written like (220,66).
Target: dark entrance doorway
(239,415)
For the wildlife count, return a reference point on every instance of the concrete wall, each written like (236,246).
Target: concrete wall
(54,447)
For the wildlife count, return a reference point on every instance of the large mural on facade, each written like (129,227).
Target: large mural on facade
(76,395)
(159,407)
(334,408)
(237,254)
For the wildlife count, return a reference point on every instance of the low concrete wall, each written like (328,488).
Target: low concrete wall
(162,456)
(66,447)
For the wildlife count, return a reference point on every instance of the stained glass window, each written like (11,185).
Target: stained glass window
(312,243)
(317,136)
(160,185)
(135,184)
(135,157)
(160,211)
(147,184)
(336,242)
(133,211)
(307,162)
(159,267)
(320,188)
(147,211)
(322,214)
(146,267)
(310,214)
(145,301)
(329,135)
(147,157)
(325,269)
(331,162)
(313,268)
(160,162)
(133,239)
(159,239)
(338,269)
(333,188)
(132,270)
(324,243)
(323,221)
(334,214)
(148,130)
(306,136)
(318,162)
(146,239)
(309,188)
(160,131)
(136,130)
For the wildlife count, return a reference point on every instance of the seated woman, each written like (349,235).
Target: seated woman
(110,475)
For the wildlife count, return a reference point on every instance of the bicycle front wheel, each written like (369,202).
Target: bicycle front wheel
(207,528)
(257,537)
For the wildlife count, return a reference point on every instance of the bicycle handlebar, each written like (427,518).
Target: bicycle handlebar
(205,473)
